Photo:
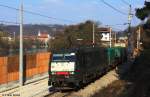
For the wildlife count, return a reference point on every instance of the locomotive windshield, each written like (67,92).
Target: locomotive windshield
(63,63)
(64,57)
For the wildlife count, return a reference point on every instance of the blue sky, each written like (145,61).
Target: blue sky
(75,10)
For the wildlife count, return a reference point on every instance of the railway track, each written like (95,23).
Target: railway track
(41,93)
(59,94)
(50,92)
(87,91)
(46,91)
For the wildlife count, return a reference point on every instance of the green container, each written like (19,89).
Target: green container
(115,54)
(111,55)
(122,54)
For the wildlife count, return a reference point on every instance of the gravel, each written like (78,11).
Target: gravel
(96,86)
(92,88)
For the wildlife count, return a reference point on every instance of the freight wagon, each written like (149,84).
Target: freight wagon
(80,66)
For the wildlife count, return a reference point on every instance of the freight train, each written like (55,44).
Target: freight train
(74,68)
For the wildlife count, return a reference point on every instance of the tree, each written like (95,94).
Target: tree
(142,14)
(69,39)
(58,43)
(4,44)
(83,31)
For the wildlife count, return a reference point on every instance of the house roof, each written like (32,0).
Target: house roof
(103,29)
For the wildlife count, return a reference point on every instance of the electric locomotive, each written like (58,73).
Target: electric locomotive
(73,68)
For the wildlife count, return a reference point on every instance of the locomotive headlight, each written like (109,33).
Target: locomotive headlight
(53,72)
(71,72)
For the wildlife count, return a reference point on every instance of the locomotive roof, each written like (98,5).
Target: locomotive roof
(75,50)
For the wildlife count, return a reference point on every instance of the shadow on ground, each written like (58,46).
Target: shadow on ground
(134,79)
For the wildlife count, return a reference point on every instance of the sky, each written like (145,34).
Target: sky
(74,11)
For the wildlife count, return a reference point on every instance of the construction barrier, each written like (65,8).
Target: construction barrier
(3,70)
(34,64)
(30,65)
(12,68)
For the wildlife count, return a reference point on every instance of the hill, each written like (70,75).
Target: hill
(32,29)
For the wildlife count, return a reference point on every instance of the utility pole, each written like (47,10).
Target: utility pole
(115,38)
(129,31)
(129,21)
(21,71)
(93,34)
(138,37)
(14,35)
(110,31)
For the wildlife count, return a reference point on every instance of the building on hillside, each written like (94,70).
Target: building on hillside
(123,38)
(44,37)
(105,35)
(122,41)
(7,38)
(26,37)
